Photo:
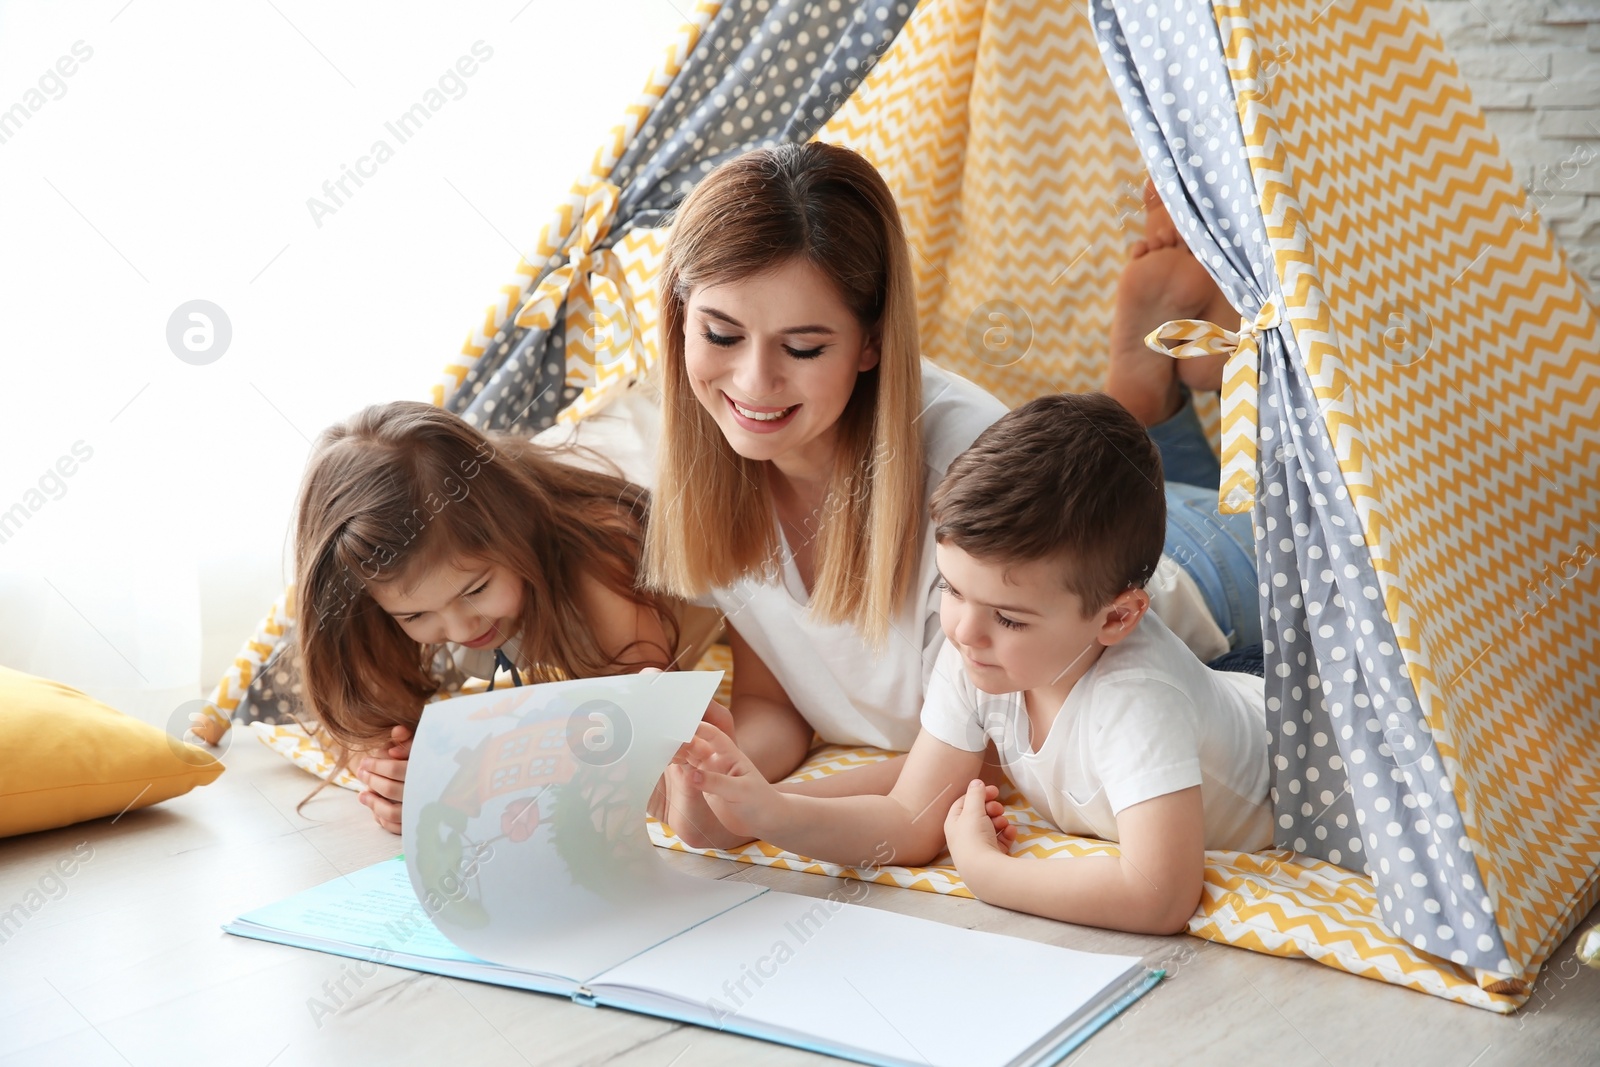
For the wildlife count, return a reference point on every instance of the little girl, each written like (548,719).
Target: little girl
(421,540)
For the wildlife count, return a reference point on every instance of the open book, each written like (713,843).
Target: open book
(527,864)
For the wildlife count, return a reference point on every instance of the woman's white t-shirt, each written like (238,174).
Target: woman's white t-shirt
(849,694)
(1146,720)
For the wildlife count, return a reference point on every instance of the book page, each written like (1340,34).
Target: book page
(373,908)
(847,977)
(524,821)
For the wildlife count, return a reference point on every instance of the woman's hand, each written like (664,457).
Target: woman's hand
(385,780)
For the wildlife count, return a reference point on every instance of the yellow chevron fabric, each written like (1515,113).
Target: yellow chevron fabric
(1453,355)
(998,131)
(257,650)
(601,322)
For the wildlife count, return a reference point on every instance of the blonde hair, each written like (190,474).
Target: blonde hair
(713,522)
(403,486)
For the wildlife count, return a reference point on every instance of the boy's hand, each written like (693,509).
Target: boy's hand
(685,809)
(738,794)
(977,830)
(385,780)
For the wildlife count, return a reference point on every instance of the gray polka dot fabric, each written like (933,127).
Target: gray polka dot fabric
(1356,778)
(274,694)
(762,73)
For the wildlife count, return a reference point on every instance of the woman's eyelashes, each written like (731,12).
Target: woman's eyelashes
(725,341)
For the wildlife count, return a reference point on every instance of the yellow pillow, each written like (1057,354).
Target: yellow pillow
(66,757)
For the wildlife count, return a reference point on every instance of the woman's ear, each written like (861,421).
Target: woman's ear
(1122,615)
(871,352)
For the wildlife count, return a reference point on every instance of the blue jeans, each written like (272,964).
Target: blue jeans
(1218,551)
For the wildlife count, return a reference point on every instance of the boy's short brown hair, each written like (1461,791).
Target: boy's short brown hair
(1071,476)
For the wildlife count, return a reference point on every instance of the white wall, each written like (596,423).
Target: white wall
(174,163)
(1534,67)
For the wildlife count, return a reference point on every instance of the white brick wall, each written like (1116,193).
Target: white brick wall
(1534,69)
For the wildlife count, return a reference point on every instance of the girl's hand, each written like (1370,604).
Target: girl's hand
(385,780)
(737,793)
(977,830)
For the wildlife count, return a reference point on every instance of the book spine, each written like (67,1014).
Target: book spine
(585,996)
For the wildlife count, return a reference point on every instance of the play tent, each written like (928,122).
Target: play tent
(1409,411)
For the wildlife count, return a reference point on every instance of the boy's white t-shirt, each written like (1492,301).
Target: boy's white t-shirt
(848,693)
(1147,719)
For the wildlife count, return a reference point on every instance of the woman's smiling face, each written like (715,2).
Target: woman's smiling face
(774,358)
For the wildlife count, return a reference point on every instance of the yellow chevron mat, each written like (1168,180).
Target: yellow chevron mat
(1266,901)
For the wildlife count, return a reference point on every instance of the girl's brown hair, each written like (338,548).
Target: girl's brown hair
(713,516)
(404,486)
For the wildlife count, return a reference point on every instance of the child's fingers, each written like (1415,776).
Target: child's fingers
(709,733)
(387,788)
(694,752)
(394,769)
(713,783)
(388,815)
(971,801)
(996,812)
(712,745)
(386,812)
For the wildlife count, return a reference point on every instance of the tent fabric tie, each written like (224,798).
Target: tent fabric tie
(1192,338)
(601,321)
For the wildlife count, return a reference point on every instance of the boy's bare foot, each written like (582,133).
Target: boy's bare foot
(1162,281)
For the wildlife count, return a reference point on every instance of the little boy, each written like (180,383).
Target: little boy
(1047,530)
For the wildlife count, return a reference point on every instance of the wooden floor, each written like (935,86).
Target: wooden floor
(126,965)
